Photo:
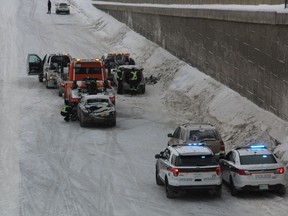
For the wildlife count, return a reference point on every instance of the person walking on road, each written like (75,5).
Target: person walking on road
(49,7)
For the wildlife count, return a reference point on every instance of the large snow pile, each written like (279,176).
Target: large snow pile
(189,94)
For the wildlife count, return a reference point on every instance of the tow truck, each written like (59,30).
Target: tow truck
(86,76)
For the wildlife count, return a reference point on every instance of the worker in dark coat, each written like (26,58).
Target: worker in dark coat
(66,111)
(69,112)
(49,7)
(133,81)
(120,74)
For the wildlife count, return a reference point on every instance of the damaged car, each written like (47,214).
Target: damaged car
(96,109)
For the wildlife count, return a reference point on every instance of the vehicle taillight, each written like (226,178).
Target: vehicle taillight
(74,100)
(112,98)
(175,171)
(279,171)
(243,172)
(222,146)
(218,170)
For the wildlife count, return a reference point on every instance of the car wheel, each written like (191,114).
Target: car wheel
(281,191)
(169,193)
(158,180)
(218,192)
(40,78)
(82,122)
(46,82)
(113,123)
(233,190)
(142,90)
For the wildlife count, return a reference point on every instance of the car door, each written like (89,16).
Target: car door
(34,65)
(227,164)
(164,163)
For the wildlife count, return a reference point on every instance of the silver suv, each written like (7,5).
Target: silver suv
(199,132)
(187,167)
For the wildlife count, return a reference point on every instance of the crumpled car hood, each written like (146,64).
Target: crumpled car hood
(100,109)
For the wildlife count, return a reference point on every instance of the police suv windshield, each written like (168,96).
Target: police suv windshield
(195,160)
(257,159)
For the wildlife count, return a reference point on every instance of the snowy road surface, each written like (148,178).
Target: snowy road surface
(52,168)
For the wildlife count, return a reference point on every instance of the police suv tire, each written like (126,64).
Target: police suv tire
(281,191)
(40,78)
(169,193)
(218,192)
(157,177)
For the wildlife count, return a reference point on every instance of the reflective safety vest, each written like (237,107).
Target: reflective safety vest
(65,109)
(134,75)
(120,75)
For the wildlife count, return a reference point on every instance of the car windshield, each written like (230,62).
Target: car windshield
(61,60)
(257,159)
(197,135)
(195,160)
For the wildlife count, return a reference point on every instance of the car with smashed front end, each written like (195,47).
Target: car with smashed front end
(96,109)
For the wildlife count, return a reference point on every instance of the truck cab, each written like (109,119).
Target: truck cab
(81,73)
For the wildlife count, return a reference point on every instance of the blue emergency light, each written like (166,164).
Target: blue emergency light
(258,146)
(195,144)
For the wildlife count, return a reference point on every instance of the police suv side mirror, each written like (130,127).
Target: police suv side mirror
(170,135)
(157,156)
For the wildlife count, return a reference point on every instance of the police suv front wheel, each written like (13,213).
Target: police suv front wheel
(158,180)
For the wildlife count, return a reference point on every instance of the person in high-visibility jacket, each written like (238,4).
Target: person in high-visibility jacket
(133,80)
(120,74)
(66,111)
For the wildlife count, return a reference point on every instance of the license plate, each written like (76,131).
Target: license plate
(186,179)
(263,187)
(197,175)
(262,176)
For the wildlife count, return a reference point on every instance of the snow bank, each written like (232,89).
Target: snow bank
(189,94)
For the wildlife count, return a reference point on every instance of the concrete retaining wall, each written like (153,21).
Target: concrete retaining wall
(245,2)
(247,51)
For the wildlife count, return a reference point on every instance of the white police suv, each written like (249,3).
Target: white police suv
(186,167)
(253,167)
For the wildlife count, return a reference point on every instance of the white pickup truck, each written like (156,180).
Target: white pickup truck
(48,68)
